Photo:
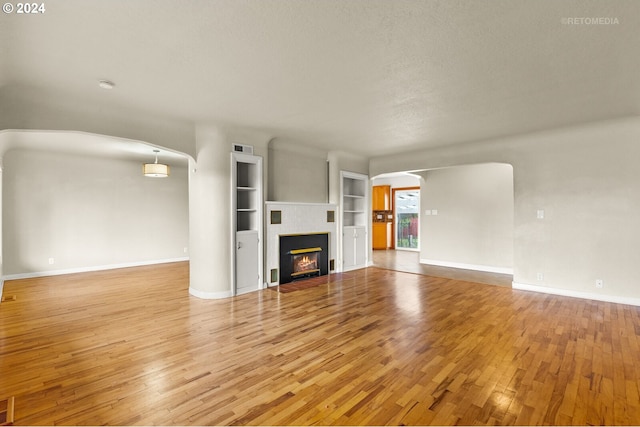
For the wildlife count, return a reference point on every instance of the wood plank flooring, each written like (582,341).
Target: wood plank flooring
(131,347)
(311,282)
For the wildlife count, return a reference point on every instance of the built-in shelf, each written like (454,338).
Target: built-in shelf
(247,205)
(355,208)
(353,200)
(246,221)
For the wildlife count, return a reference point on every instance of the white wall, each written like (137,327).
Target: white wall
(585,179)
(88,212)
(297,173)
(474,225)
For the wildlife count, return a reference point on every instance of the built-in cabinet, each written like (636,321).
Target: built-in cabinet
(380,235)
(246,206)
(354,197)
(354,244)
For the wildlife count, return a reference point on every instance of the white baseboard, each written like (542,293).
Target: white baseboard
(486,268)
(88,269)
(209,295)
(576,294)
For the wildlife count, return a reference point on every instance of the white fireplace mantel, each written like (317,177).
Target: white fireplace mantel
(296,218)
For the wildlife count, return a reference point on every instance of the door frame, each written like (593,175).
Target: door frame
(393,212)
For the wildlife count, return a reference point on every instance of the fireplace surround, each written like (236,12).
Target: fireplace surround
(294,218)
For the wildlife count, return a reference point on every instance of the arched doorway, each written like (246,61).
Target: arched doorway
(465,225)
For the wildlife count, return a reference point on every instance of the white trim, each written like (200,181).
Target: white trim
(1,287)
(576,294)
(486,268)
(88,269)
(209,295)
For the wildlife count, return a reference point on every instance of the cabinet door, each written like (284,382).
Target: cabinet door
(246,262)
(360,243)
(381,196)
(379,240)
(349,248)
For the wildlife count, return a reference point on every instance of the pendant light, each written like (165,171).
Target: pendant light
(155,169)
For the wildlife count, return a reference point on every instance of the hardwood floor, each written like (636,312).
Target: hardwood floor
(131,346)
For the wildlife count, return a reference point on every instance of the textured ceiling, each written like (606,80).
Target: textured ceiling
(371,77)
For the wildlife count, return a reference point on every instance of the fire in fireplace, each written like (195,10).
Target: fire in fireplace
(304,262)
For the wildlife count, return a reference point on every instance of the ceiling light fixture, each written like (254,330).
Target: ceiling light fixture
(155,169)
(106,84)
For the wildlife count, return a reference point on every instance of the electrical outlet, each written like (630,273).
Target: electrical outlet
(186,250)
(51,261)
(540,214)
(540,277)
(599,283)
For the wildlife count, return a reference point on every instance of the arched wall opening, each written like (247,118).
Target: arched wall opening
(466,215)
(76,201)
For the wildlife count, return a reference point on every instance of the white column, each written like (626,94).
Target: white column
(209,215)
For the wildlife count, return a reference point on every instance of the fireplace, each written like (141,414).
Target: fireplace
(303,255)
